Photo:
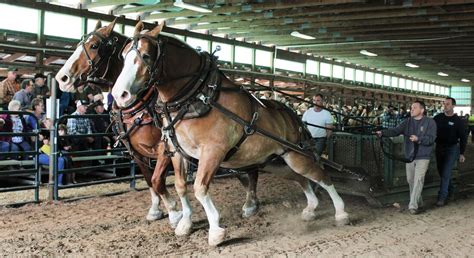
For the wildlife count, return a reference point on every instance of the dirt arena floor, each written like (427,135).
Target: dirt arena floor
(116,225)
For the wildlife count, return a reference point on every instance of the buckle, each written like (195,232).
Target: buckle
(203,98)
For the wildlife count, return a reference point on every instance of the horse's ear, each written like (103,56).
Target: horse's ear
(98,25)
(138,28)
(157,30)
(110,28)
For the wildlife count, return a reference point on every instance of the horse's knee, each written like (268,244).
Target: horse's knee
(200,191)
(180,188)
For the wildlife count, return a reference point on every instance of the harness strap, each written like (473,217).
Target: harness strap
(249,129)
(244,123)
(168,132)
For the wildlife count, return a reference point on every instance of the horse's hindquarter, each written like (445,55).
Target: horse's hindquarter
(217,134)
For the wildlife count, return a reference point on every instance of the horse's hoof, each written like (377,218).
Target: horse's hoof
(216,236)
(184,227)
(249,211)
(154,215)
(342,219)
(308,215)
(175,217)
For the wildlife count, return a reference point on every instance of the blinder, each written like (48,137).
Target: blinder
(152,68)
(105,50)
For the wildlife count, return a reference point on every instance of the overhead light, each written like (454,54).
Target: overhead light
(181,4)
(412,65)
(465,80)
(300,35)
(367,53)
(443,74)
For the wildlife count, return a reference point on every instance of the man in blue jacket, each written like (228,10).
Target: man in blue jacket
(420,135)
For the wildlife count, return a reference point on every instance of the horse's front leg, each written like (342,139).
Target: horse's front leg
(251,202)
(180,171)
(159,186)
(154,213)
(209,162)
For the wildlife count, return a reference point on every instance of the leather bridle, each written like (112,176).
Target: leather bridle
(106,49)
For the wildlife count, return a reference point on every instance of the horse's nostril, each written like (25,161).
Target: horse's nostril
(64,78)
(124,95)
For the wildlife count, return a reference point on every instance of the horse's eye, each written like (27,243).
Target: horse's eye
(94,46)
(146,56)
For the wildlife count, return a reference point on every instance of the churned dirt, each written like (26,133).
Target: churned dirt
(116,225)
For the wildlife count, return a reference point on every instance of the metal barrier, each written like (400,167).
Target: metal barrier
(114,155)
(11,167)
(385,179)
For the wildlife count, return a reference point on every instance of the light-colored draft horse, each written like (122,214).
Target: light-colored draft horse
(97,58)
(186,80)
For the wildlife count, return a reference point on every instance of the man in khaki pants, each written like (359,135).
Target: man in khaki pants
(420,134)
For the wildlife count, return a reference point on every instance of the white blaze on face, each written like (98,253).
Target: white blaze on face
(64,77)
(126,80)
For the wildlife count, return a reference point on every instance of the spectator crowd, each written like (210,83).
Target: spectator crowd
(30,95)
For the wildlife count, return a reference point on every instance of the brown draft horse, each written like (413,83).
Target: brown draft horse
(106,64)
(183,77)
(144,140)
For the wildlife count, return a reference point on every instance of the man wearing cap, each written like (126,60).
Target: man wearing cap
(40,90)
(77,126)
(9,87)
(24,96)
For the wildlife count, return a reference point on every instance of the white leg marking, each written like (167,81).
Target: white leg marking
(154,213)
(174,215)
(341,216)
(309,212)
(185,224)
(216,233)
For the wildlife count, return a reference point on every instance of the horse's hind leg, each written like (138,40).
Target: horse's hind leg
(159,186)
(154,213)
(251,202)
(185,224)
(308,168)
(309,213)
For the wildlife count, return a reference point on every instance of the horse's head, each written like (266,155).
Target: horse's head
(140,57)
(91,57)
(150,60)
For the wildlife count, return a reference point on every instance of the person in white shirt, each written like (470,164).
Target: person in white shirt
(322,118)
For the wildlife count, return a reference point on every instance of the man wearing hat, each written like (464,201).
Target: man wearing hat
(82,126)
(9,87)
(41,90)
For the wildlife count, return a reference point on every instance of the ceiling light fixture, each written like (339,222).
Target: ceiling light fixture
(181,4)
(443,74)
(367,53)
(300,35)
(465,80)
(412,65)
